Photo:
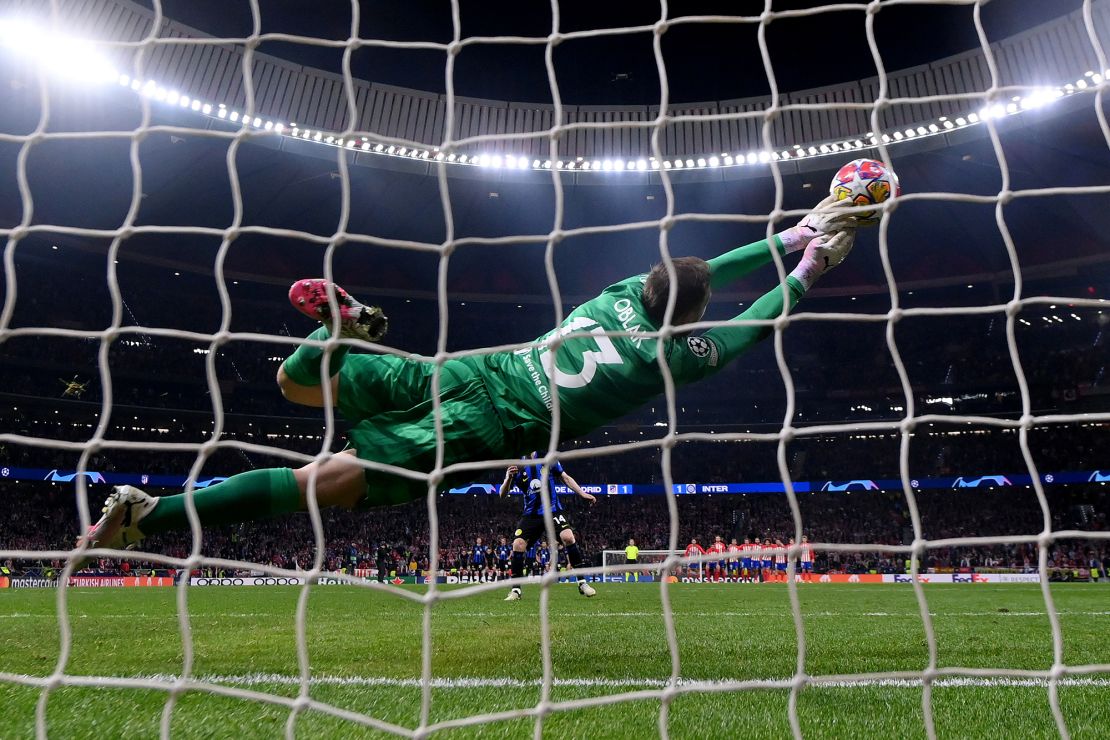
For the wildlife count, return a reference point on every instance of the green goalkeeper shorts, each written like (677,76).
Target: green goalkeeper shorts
(388,402)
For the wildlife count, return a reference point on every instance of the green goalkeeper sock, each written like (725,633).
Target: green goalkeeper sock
(303,366)
(259,494)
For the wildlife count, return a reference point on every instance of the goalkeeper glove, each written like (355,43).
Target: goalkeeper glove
(827,218)
(823,254)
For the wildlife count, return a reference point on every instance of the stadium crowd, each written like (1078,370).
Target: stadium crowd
(42,516)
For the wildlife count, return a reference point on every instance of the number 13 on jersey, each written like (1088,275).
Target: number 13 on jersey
(605,354)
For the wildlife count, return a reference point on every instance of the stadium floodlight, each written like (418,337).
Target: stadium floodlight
(1037,98)
(689,163)
(59,55)
(764,156)
(701,162)
(559,164)
(641,164)
(752,158)
(728,160)
(678,164)
(655,164)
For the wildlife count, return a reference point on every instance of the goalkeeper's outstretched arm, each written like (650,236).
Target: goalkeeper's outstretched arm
(828,217)
(704,355)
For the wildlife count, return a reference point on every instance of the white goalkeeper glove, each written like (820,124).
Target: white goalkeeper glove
(822,254)
(827,218)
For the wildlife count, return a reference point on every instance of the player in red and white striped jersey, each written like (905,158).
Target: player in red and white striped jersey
(717,548)
(780,561)
(694,550)
(747,574)
(734,555)
(806,560)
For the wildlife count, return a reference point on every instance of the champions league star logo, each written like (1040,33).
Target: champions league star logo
(702,347)
(699,346)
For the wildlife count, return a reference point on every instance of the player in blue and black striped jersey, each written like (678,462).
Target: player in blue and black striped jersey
(528,478)
(504,552)
(479,560)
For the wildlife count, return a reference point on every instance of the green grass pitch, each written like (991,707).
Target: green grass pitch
(365,657)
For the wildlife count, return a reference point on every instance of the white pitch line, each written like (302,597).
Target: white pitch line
(278,679)
(618,615)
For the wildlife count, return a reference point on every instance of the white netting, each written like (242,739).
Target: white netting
(666,692)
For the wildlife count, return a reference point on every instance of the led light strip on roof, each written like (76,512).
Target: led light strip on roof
(77,59)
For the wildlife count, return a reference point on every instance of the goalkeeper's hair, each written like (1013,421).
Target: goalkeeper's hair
(692,275)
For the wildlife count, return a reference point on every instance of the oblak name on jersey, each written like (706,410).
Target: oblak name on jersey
(625,315)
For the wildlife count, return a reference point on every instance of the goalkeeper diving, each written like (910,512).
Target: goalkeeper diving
(494,406)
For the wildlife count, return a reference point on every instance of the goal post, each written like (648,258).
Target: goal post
(647,561)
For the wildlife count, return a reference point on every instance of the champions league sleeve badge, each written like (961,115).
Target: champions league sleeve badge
(702,347)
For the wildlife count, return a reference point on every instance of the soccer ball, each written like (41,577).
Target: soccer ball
(865,182)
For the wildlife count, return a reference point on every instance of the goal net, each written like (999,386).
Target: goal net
(133,81)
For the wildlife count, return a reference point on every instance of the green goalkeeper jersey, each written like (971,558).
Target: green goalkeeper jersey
(598,377)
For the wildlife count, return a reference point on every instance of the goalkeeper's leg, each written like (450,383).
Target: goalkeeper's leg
(130,515)
(299,377)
